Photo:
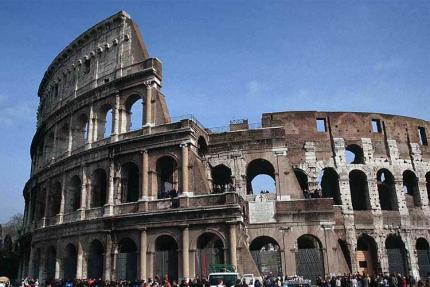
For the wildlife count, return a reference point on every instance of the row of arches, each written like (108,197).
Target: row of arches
(397,255)
(167,179)
(359,188)
(210,250)
(87,126)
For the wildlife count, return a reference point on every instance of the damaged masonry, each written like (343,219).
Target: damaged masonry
(117,198)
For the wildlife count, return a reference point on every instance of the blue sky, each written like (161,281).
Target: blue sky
(226,60)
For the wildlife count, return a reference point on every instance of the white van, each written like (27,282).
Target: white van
(228,278)
(250,279)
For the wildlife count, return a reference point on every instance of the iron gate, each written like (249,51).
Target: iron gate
(207,256)
(95,266)
(166,262)
(268,261)
(70,268)
(310,263)
(50,267)
(396,261)
(423,263)
(126,267)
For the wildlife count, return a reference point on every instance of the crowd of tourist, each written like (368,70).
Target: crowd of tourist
(315,193)
(345,280)
(220,188)
(164,194)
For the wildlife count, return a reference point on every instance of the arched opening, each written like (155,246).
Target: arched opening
(73,201)
(134,112)
(51,258)
(70,262)
(386,190)
(127,260)
(330,185)
(302,179)
(49,147)
(396,254)
(40,204)
(345,251)
(166,257)
(54,199)
(202,146)
(221,179)
(260,175)
(36,264)
(105,122)
(410,186)
(428,185)
(80,131)
(366,255)
(95,260)
(167,177)
(359,190)
(423,255)
(309,257)
(267,255)
(210,250)
(354,154)
(99,188)
(130,182)
(62,140)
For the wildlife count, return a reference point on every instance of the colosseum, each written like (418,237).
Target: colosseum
(115,198)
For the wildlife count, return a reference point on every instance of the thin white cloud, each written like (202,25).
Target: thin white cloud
(390,64)
(13,111)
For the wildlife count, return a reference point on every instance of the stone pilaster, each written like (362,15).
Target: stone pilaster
(143,250)
(185,172)
(145,177)
(185,253)
(233,244)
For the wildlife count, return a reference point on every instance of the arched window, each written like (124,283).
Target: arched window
(104,122)
(130,182)
(51,257)
(260,175)
(73,197)
(36,263)
(396,253)
(167,176)
(367,254)
(309,257)
(62,140)
(267,255)
(49,147)
(354,154)
(330,185)
(202,146)
(221,179)
(134,112)
(95,260)
(99,188)
(127,260)
(410,186)
(80,131)
(210,250)
(166,256)
(423,255)
(359,190)
(40,204)
(54,199)
(302,179)
(386,190)
(70,262)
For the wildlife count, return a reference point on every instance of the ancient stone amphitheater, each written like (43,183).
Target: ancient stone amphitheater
(113,197)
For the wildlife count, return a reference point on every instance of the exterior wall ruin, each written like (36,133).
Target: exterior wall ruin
(171,187)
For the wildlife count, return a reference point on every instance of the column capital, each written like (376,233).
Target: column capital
(185,144)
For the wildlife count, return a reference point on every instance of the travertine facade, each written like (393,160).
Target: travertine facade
(96,201)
